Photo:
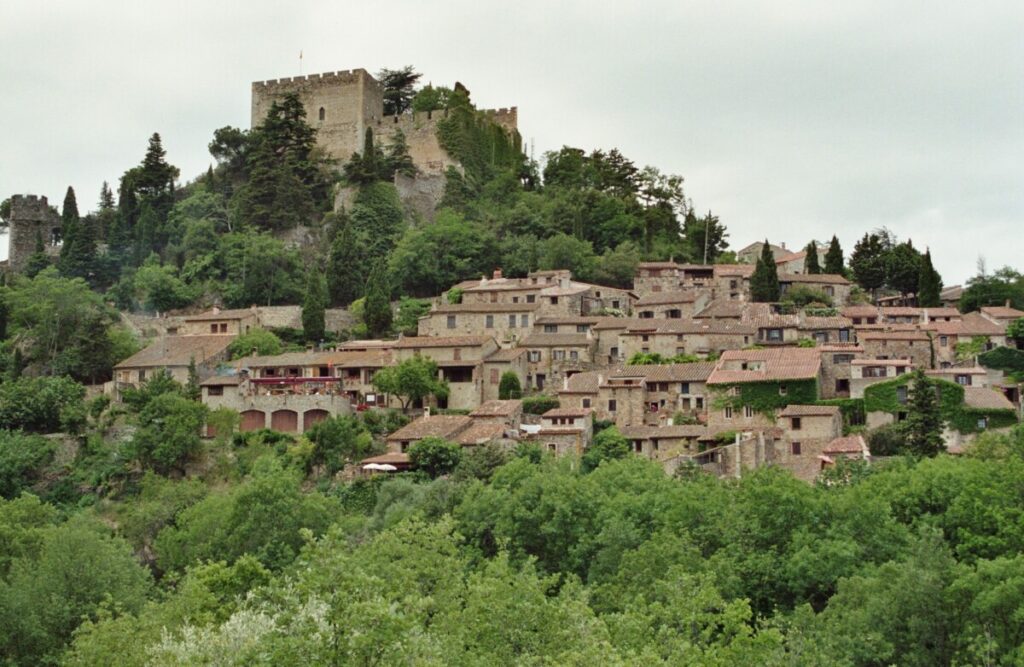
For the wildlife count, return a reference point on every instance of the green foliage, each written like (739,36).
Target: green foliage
(258,269)
(408,314)
(1004,286)
(346,265)
(834,258)
(654,358)
(22,458)
(479,144)
(903,268)
(929,285)
(811,265)
(608,445)
(431,98)
(377,309)
(480,462)
(924,419)
(967,350)
(435,456)
(260,341)
(314,306)
(852,408)
(338,441)
(705,237)
(566,252)
(1005,359)
(1015,331)
(399,86)
(509,386)
(801,296)
(42,405)
(411,380)
(766,397)
(764,283)
(168,432)
(454,296)
(868,262)
(539,404)
(882,397)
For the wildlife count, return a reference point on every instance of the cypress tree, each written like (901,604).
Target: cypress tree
(764,284)
(929,284)
(377,309)
(313,305)
(192,390)
(509,387)
(811,265)
(834,257)
(924,417)
(68,220)
(370,168)
(346,265)
(80,259)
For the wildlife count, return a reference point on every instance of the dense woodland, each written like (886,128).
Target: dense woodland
(127,539)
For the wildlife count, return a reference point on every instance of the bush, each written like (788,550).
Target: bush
(435,456)
(21,458)
(263,342)
(42,405)
(338,441)
(888,440)
(608,445)
(538,405)
(509,387)
(801,296)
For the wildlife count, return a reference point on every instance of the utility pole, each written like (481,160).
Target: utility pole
(707,221)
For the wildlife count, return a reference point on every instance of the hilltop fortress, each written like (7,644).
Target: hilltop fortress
(342,105)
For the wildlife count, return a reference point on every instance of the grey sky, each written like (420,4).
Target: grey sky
(790,120)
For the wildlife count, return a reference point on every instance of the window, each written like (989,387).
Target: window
(821,336)
(615,304)
(323,113)
(614,352)
(557,355)
(215,391)
(773,335)
(524,321)
(963,380)
(582,328)
(489,321)
(684,387)
(654,406)
(782,390)
(901,395)
(550,328)
(842,386)
(831,291)
(515,299)
(224,327)
(574,355)
(728,412)
(531,298)
(645,338)
(495,376)
(451,321)
(457,354)
(586,402)
(511,321)
(142,375)
(796,424)
(844,335)
(554,301)
(611,405)
(982,423)
(748,411)
(944,341)
(794,448)
(534,355)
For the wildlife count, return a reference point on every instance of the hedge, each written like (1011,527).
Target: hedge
(764,397)
(539,404)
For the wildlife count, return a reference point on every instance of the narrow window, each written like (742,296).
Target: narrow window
(586,402)
(748,411)
(611,405)
(797,423)
(451,321)
(795,448)
(728,412)
(489,321)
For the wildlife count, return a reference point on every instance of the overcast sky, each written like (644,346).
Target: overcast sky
(790,120)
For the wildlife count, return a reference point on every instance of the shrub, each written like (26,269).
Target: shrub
(539,404)
(263,342)
(42,405)
(435,456)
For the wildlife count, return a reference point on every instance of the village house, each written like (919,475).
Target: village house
(508,413)
(217,321)
(849,447)
(570,324)
(554,292)
(836,287)
(913,345)
(751,253)
(866,372)
(950,296)
(460,361)
(862,315)
(564,431)
(807,431)
(550,356)
(174,354)
(1001,315)
(836,369)
(732,281)
(747,385)
(460,429)
(670,338)
(826,329)
(671,305)
(507,322)
(656,277)
(724,309)
(972,327)
(498,363)
(665,441)
(796,262)
(972,376)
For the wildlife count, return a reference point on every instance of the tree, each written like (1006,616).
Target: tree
(903,268)
(338,441)
(1015,331)
(69,217)
(924,418)
(617,267)
(834,257)
(435,456)
(562,251)
(22,458)
(168,432)
(509,386)
(258,341)
(811,265)
(314,305)
(192,390)
(764,283)
(411,380)
(996,289)
(608,445)
(706,237)
(399,87)
(868,262)
(929,285)
(408,315)
(431,98)
(346,265)
(377,310)
(38,261)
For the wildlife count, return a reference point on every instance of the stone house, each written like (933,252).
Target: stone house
(554,292)
(174,354)
(565,431)
(581,391)
(348,374)
(836,369)
(862,314)
(460,361)
(751,253)
(835,287)
(796,262)
(824,330)
(551,356)
(655,277)
(732,281)
(971,376)
(1001,315)
(747,385)
(607,332)
(866,372)
(294,408)
(673,337)
(671,305)
(901,314)
(563,325)
(807,431)
(973,325)
(508,413)
(447,427)
(659,443)
(507,322)
(499,363)
(913,345)
(216,321)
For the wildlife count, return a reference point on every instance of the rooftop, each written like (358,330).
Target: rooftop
(439,426)
(557,340)
(1002,312)
(667,298)
(775,364)
(479,433)
(817,278)
(566,412)
(981,398)
(170,351)
(847,444)
(417,342)
(810,411)
(498,408)
(449,308)
(655,432)
(216,314)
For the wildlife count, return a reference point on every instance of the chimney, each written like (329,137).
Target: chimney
(563,282)
(483,280)
(1007,304)
(497,274)
(216,310)
(600,379)
(783,245)
(565,383)
(671,421)
(426,412)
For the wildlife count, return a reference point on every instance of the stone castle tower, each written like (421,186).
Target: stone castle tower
(30,215)
(341,105)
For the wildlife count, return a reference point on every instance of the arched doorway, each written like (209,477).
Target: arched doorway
(252,420)
(286,421)
(312,417)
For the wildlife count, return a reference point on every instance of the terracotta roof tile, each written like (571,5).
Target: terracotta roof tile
(583,383)
(809,411)
(674,431)
(451,309)
(556,340)
(667,298)
(567,412)
(170,351)
(696,372)
(816,278)
(479,433)
(506,355)
(1002,312)
(414,342)
(981,398)
(848,444)
(440,426)
(792,363)
(498,408)
(232,314)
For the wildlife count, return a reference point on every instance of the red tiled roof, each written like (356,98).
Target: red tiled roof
(479,433)
(860,311)
(498,408)
(981,398)
(173,351)
(847,444)
(583,383)
(449,308)
(696,372)
(234,314)
(1002,312)
(566,412)
(776,364)
(440,426)
(817,278)
(653,432)
(972,324)
(667,298)
(501,356)
(810,411)
(392,458)
(556,340)
(221,381)
(413,342)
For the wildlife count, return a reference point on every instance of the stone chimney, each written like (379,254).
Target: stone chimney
(216,310)
(783,245)
(483,280)
(565,383)
(563,282)
(426,412)
(497,274)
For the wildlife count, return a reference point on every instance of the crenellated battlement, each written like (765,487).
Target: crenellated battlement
(31,217)
(340,76)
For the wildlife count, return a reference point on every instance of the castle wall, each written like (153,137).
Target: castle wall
(420,130)
(350,99)
(30,214)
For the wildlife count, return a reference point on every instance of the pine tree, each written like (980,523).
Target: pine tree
(764,283)
(106,197)
(929,285)
(346,268)
(38,260)
(68,220)
(811,265)
(79,260)
(313,306)
(924,417)
(834,258)
(377,309)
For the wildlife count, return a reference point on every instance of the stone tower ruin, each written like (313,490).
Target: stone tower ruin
(30,215)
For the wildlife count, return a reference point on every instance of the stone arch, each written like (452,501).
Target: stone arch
(252,420)
(286,421)
(313,417)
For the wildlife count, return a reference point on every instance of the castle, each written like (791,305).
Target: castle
(342,105)
(31,216)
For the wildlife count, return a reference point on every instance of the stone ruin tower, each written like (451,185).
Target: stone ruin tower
(30,214)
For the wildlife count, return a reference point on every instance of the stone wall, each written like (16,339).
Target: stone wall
(30,214)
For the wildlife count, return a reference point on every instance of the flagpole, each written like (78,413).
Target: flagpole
(300,62)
